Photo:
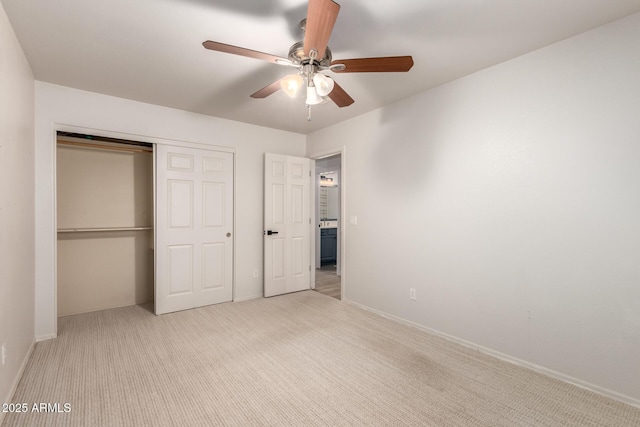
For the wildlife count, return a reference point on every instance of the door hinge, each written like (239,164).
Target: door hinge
(309,267)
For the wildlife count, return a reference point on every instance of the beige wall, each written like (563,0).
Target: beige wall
(103,189)
(17,209)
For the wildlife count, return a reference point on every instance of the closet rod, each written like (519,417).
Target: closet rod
(106,146)
(87,230)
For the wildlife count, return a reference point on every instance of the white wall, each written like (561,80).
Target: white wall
(17,207)
(510,200)
(61,107)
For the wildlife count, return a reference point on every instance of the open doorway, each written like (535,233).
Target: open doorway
(328,207)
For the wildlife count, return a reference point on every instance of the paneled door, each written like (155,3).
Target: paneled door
(194,222)
(287,224)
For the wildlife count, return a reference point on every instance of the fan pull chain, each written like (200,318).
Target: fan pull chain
(308,113)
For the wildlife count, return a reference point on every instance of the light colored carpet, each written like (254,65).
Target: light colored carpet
(301,359)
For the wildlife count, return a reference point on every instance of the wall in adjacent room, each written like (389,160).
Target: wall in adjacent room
(510,201)
(17,208)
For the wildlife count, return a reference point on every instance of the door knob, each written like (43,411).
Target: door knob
(269,232)
(228,234)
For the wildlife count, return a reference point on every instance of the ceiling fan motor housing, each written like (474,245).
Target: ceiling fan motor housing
(298,57)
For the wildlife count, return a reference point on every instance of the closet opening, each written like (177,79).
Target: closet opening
(105,220)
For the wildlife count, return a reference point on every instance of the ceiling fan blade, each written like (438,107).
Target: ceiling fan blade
(235,50)
(340,97)
(267,90)
(375,65)
(321,17)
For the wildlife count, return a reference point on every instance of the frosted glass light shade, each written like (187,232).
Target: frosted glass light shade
(290,84)
(324,84)
(312,96)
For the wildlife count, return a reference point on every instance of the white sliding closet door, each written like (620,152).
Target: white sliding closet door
(194,222)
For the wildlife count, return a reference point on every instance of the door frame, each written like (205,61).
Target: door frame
(317,155)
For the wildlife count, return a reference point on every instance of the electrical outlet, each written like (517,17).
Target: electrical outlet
(4,353)
(412,293)
(256,273)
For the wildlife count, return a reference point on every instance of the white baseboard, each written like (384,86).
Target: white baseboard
(247,298)
(17,378)
(46,337)
(510,359)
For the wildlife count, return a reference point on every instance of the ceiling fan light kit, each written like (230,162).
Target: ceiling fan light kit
(312,96)
(311,56)
(324,84)
(291,84)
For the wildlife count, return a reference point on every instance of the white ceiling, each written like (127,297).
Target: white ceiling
(151,50)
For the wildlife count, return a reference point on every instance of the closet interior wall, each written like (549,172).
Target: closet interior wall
(105,225)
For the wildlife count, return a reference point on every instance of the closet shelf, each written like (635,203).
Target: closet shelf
(87,230)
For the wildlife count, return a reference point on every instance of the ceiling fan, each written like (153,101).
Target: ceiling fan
(312,55)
